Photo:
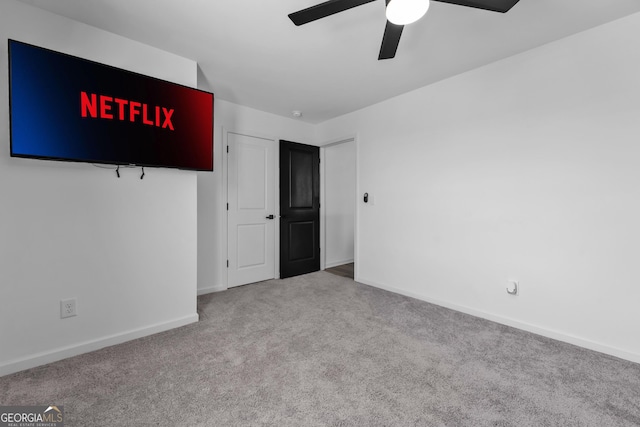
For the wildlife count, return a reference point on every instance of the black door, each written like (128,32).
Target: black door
(299,209)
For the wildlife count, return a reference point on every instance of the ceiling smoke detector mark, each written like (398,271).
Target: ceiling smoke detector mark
(296,113)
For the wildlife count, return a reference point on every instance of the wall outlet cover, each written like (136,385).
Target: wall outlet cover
(68,308)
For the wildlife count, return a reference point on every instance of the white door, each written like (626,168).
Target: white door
(251,216)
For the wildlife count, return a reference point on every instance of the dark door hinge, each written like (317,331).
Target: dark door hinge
(227,263)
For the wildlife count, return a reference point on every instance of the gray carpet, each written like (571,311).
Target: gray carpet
(322,350)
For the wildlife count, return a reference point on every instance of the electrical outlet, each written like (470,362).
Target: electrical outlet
(68,308)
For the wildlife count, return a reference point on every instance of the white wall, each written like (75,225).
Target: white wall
(212,214)
(338,205)
(526,169)
(125,248)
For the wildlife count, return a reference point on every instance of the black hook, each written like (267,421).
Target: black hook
(118,171)
(142,176)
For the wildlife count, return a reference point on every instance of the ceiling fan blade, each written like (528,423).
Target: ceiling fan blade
(323,10)
(390,40)
(492,5)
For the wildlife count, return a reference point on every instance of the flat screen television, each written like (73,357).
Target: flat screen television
(67,108)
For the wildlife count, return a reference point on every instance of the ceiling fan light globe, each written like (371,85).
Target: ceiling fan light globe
(404,12)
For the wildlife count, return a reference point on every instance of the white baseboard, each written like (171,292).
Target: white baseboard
(337,263)
(92,345)
(549,333)
(211,289)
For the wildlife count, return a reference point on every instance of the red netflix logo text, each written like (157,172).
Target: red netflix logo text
(107,107)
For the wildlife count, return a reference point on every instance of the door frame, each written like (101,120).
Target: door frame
(225,199)
(323,187)
(223,245)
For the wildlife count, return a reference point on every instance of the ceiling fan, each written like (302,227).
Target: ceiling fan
(399,13)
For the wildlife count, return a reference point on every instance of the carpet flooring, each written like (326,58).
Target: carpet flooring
(323,350)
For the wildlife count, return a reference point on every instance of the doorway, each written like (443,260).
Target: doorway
(339,203)
(258,242)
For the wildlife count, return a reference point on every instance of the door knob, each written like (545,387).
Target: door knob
(270,217)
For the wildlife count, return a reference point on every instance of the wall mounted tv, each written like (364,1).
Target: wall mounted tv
(68,108)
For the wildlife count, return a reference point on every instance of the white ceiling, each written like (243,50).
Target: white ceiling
(250,53)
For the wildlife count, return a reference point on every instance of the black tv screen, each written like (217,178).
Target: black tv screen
(68,108)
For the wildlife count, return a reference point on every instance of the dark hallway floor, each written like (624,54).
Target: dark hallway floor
(345,270)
